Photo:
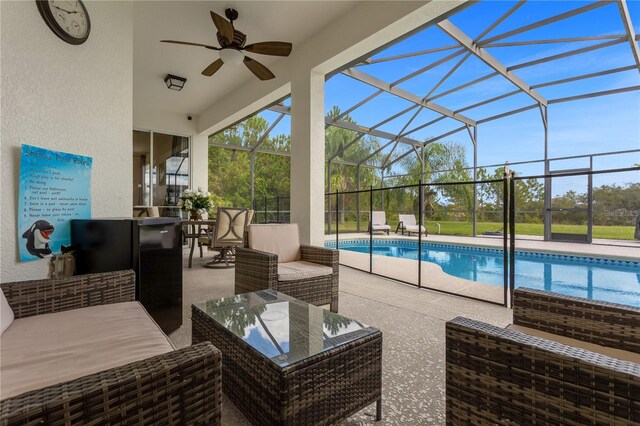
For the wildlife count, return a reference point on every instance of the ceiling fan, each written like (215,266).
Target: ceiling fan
(232,43)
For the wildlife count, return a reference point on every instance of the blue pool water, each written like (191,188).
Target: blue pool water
(616,281)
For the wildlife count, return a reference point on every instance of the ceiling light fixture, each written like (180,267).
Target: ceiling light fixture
(231,56)
(174,82)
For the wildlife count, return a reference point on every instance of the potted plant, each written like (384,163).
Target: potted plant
(195,202)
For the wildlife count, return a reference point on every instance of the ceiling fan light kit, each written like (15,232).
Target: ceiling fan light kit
(231,56)
(174,82)
(232,44)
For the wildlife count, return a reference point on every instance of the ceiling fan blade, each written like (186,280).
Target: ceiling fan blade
(188,43)
(275,48)
(224,27)
(258,69)
(213,67)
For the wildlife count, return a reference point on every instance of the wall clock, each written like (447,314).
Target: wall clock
(69,20)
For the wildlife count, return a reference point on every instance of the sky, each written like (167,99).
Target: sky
(607,123)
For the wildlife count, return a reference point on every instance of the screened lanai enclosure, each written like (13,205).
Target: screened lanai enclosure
(546,94)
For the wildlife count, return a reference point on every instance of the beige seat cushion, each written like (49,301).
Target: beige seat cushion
(414,228)
(380,227)
(47,349)
(300,270)
(602,350)
(280,239)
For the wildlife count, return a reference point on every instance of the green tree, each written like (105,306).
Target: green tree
(444,162)
(616,204)
(229,169)
(344,177)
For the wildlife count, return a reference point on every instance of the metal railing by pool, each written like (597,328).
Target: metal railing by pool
(511,209)
(272,209)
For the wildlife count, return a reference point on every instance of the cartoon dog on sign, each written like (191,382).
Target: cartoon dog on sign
(38,238)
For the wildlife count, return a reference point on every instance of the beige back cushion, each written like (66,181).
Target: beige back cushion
(603,350)
(407,219)
(6,313)
(153,212)
(378,218)
(230,225)
(280,239)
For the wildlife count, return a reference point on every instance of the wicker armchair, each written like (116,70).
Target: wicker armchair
(506,376)
(258,269)
(181,387)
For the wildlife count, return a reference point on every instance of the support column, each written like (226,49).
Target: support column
(423,173)
(382,192)
(475,177)
(329,198)
(307,155)
(473,135)
(544,111)
(252,178)
(199,161)
(358,198)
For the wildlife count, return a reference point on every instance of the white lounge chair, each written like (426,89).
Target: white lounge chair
(407,222)
(379,222)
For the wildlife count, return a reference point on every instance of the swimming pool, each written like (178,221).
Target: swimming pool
(616,281)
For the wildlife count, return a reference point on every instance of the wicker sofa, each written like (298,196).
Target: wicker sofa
(565,360)
(174,387)
(274,259)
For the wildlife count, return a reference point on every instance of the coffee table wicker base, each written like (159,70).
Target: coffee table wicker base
(319,390)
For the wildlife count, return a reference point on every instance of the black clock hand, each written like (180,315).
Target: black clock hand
(66,11)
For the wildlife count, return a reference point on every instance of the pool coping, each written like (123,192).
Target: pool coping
(433,276)
(567,249)
(613,261)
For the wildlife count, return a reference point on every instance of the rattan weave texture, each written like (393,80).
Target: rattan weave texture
(320,390)
(38,297)
(603,323)
(176,388)
(257,270)
(502,376)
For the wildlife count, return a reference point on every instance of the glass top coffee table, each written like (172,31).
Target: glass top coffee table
(287,362)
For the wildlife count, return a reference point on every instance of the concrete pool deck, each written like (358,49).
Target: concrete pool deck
(432,275)
(413,325)
(609,249)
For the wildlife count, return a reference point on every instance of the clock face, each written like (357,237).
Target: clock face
(71,17)
(68,19)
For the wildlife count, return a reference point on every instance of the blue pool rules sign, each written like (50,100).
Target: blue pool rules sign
(55,187)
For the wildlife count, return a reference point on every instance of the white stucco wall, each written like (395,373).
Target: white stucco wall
(76,99)
(164,121)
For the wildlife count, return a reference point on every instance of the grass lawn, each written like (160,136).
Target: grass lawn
(466,229)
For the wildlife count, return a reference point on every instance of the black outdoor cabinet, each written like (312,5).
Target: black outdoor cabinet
(150,246)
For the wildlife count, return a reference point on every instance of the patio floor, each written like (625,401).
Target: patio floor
(413,326)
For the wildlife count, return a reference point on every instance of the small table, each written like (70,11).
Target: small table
(287,362)
(197,226)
